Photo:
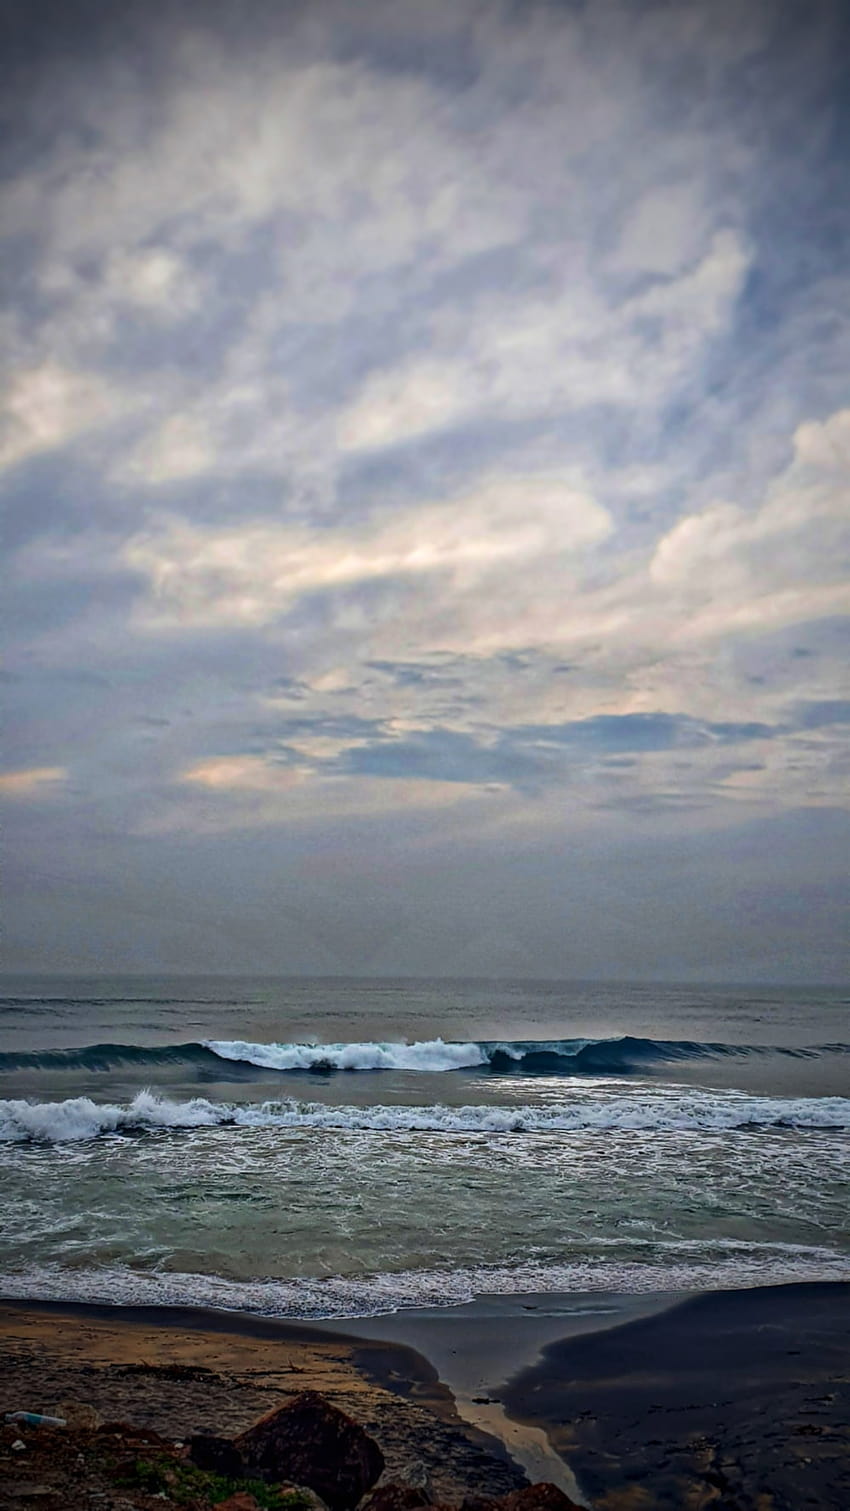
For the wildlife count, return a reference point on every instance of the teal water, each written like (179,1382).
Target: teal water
(344,1148)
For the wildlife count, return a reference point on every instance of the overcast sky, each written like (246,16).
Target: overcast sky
(425,448)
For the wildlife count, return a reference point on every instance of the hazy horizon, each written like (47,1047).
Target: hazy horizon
(755,983)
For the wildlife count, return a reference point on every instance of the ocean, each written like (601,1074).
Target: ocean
(331,1148)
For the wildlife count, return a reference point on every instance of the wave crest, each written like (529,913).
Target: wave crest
(553,1057)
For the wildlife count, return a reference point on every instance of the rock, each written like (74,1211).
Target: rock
(144,1435)
(394,1497)
(241,1501)
(312,1501)
(79,1416)
(24,1491)
(543,1497)
(400,1489)
(19,1446)
(219,1455)
(314,1443)
(414,1473)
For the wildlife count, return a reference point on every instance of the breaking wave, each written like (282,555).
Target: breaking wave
(551,1057)
(676,1109)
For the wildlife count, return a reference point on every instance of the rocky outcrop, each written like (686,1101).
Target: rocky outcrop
(313,1443)
(307,1447)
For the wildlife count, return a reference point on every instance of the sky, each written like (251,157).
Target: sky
(424,451)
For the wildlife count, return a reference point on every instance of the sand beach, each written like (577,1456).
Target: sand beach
(731,1399)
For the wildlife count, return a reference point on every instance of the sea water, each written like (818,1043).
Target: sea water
(344,1148)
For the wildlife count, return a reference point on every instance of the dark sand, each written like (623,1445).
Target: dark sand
(737,1400)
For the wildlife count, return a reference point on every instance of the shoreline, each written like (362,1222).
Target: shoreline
(617,1391)
(478,1347)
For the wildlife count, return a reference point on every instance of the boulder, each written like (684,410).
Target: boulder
(414,1472)
(309,1499)
(313,1443)
(543,1497)
(218,1455)
(394,1497)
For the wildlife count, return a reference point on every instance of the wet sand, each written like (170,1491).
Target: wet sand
(476,1349)
(737,1400)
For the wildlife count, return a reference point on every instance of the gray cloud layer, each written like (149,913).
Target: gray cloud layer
(425,445)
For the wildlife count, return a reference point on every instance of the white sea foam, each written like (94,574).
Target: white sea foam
(662,1110)
(677,1266)
(81,1118)
(429,1055)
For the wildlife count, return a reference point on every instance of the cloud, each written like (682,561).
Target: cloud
(328,753)
(249,793)
(46,406)
(31,783)
(241,774)
(399,405)
(782,561)
(645,731)
(183,447)
(157,280)
(663,231)
(252,573)
(537,355)
(532,758)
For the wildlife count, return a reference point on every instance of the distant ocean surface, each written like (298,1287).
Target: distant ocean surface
(343,1148)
